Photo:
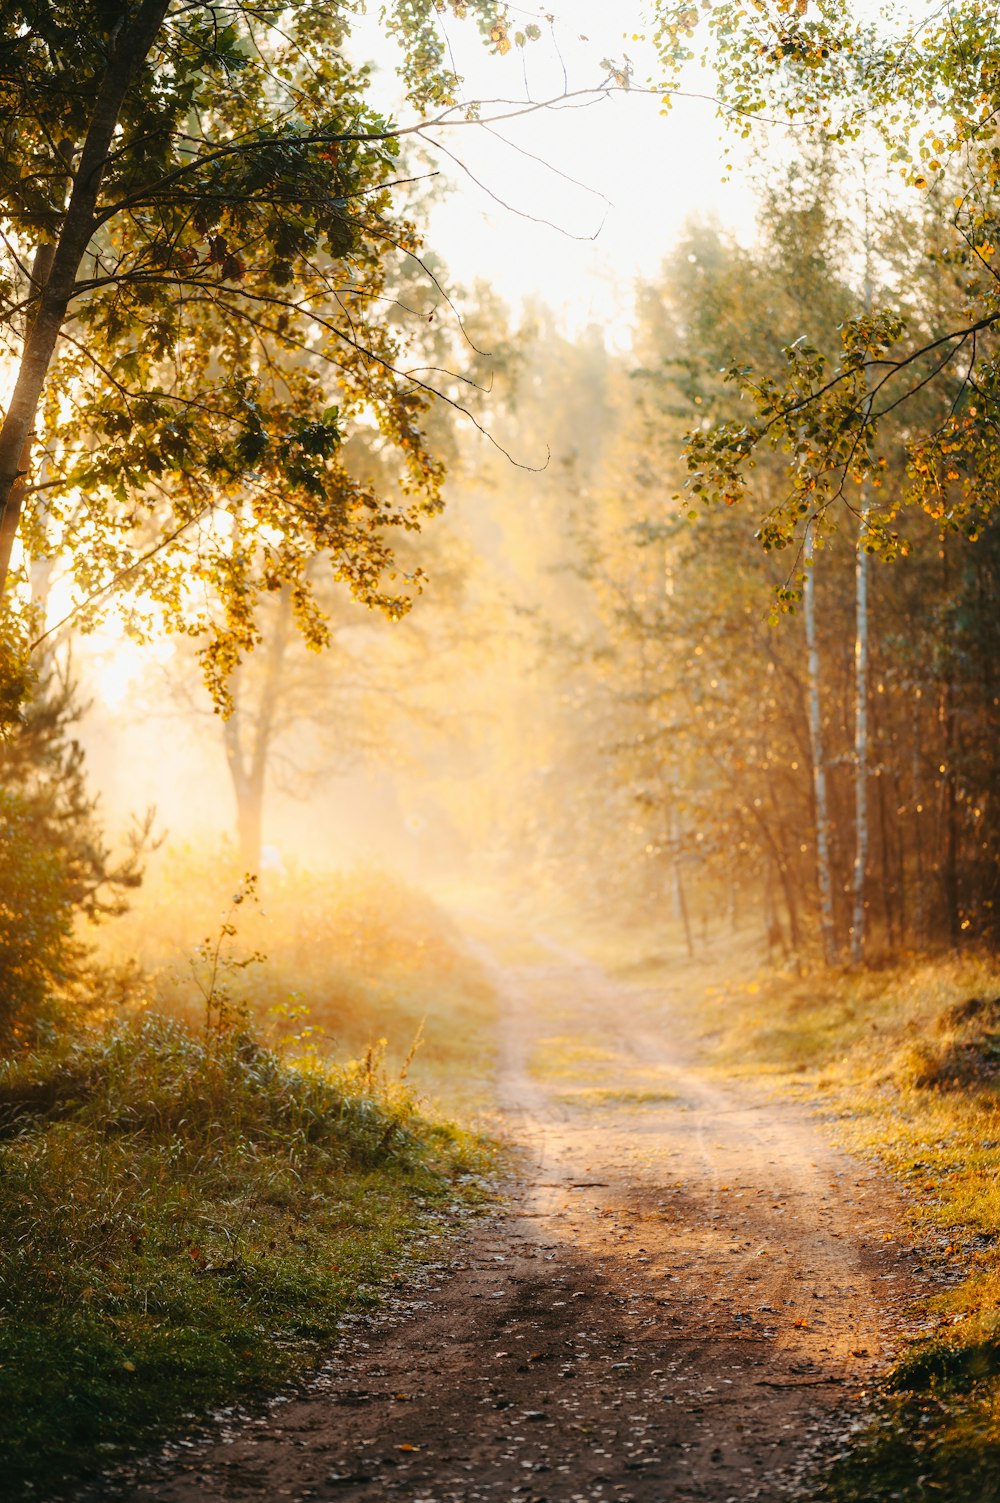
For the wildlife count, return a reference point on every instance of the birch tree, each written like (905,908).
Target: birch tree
(824,875)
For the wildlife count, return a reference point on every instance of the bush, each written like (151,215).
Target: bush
(350,958)
(54,865)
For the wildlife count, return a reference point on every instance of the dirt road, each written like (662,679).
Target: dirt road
(688,1286)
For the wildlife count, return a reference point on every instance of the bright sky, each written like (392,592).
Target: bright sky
(637,175)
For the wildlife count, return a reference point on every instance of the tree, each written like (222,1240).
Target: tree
(299,717)
(684,734)
(824,875)
(198,222)
(832,75)
(55,867)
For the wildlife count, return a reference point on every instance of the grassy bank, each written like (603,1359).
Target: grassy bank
(351,957)
(906,1060)
(195,1186)
(186,1219)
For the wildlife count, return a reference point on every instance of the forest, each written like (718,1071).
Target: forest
(499,793)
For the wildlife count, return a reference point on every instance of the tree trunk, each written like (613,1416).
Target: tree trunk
(823,875)
(949,811)
(862,569)
(920,917)
(773,932)
(888,879)
(681,912)
(56,291)
(902,906)
(248,735)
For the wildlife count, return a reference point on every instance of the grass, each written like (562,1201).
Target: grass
(186,1220)
(194,1191)
(906,1061)
(351,957)
(608,1096)
(585,1072)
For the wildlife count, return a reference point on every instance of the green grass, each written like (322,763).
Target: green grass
(185,1221)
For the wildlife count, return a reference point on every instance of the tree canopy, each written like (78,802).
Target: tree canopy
(202,225)
(917,100)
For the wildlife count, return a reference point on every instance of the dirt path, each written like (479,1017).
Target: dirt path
(687,1285)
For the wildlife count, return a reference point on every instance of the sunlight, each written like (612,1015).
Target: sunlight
(584,986)
(119,663)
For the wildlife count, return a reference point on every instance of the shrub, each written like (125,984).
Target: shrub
(54,865)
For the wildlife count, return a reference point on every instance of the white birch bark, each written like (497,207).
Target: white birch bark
(823,875)
(862,569)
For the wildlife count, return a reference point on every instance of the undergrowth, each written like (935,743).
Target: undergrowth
(351,957)
(187,1216)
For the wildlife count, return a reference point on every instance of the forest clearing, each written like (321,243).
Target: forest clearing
(499,791)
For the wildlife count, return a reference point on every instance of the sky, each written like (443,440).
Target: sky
(571,204)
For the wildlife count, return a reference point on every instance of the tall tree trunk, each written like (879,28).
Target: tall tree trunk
(902,906)
(62,263)
(920,916)
(248,735)
(681,911)
(823,875)
(862,570)
(949,799)
(775,934)
(949,872)
(888,878)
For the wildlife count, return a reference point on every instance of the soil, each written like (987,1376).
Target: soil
(685,1297)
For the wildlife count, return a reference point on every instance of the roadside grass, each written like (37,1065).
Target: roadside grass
(187,1218)
(351,958)
(226,1157)
(906,1060)
(585,1074)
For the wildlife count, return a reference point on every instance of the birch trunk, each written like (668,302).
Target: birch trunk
(823,875)
(862,570)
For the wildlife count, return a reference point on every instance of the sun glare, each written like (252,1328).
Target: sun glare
(120,664)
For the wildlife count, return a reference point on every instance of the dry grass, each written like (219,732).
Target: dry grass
(351,959)
(196,1187)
